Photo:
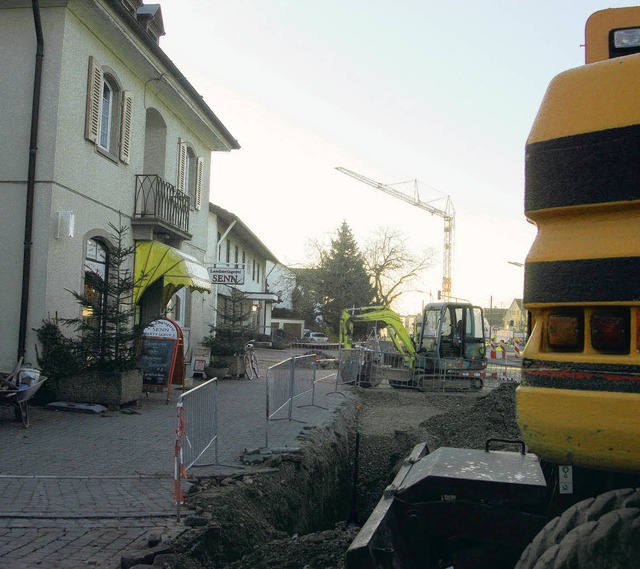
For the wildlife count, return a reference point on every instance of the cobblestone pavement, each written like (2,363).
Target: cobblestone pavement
(79,490)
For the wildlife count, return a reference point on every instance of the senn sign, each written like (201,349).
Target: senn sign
(226,275)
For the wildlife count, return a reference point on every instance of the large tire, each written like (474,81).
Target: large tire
(610,542)
(556,530)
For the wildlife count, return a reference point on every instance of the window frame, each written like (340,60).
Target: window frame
(93,266)
(190,171)
(117,123)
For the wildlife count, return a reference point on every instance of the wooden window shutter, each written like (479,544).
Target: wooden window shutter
(182,165)
(198,185)
(125,127)
(94,96)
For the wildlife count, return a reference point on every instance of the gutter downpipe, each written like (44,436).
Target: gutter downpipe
(31,177)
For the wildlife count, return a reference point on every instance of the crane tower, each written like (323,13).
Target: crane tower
(448,215)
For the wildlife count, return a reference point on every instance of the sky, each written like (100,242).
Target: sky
(441,95)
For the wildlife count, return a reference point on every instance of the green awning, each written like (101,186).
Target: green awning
(155,260)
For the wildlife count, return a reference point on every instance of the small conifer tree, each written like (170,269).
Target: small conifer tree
(106,335)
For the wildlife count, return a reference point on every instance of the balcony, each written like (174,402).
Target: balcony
(160,211)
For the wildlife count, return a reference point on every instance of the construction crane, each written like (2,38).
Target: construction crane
(448,214)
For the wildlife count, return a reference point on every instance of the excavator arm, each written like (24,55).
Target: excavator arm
(398,333)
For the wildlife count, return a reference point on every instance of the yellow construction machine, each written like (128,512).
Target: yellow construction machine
(570,497)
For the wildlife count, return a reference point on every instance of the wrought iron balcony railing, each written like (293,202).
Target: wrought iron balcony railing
(159,201)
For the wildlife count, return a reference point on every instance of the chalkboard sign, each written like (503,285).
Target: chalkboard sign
(157,360)
(162,354)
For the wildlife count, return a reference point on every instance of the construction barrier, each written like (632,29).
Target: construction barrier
(363,367)
(498,373)
(495,351)
(290,380)
(196,431)
(516,347)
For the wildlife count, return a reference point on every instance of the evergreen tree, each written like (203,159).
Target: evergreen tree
(233,328)
(305,298)
(342,279)
(106,337)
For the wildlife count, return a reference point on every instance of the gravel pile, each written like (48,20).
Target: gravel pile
(492,416)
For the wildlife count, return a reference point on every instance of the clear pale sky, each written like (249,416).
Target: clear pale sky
(440,92)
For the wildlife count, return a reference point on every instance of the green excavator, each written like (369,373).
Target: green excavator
(447,350)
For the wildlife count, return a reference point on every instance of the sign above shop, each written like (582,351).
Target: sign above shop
(225,274)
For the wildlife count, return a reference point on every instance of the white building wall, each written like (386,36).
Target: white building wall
(71,174)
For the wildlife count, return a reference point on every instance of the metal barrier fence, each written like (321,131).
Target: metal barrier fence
(501,371)
(324,350)
(367,367)
(289,380)
(196,431)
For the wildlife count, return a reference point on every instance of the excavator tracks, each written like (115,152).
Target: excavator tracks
(461,381)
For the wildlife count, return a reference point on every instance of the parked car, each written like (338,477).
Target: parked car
(314,337)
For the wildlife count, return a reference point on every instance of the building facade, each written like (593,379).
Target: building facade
(515,319)
(122,140)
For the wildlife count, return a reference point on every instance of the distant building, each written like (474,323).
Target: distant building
(495,317)
(515,318)
(240,259)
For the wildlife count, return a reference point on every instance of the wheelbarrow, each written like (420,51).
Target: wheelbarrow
(19,399)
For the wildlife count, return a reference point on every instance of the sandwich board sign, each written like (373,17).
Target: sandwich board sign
(199,360)
(162,355)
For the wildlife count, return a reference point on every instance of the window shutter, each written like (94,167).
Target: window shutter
(125,127)
(182,165)
(94,95)
(198,186)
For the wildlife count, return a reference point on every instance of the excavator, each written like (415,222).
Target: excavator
(448,354)
(567,495)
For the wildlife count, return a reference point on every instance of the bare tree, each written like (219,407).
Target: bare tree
(392,266)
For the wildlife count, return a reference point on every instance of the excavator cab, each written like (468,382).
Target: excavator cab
(452,331)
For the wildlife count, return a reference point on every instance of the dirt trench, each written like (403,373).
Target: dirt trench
(290,510)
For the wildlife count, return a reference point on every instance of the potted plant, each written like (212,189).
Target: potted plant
(228,337)
(99,363)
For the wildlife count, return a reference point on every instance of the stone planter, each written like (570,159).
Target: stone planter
(236,366)
(106,388)
(219,372)
(226,366)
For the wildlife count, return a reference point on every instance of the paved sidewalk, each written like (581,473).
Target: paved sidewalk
(78,490)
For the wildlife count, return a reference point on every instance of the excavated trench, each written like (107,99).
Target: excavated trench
(291,509)
(300,492)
